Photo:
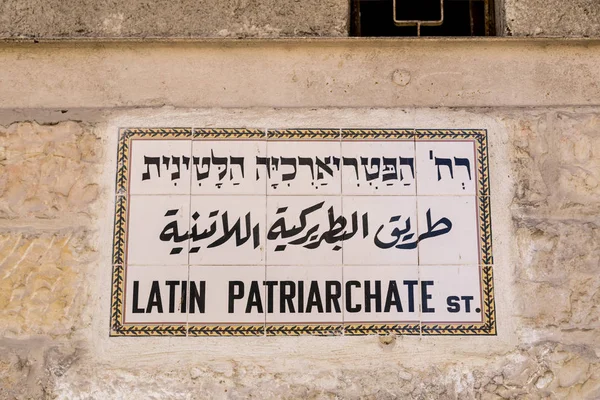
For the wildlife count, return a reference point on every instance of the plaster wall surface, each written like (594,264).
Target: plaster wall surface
(57,163)
(257,18)
(163,18)
(301,73)
(575,18)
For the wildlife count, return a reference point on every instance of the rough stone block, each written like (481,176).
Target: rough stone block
(540,371)
(48,171)
(557,163)
(556,159)
(557,276)
(43,287)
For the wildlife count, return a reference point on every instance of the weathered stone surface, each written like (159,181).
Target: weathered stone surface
(55,281)
(28,368)
(48,171)
(552,18)
(557,156)
(43,287)
(556,210)
(545,370)
(557,276)
(190,18)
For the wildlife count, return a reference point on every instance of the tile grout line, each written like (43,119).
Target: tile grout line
(187,325)
(265,262)
(414,131)
(343,242)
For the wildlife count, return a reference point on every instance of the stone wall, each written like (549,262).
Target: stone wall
(573,18)
(49,184)
(257,18)
(56,270)
(57,169)
(163,18)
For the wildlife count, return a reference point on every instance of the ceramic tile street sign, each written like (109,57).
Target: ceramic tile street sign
(308,231)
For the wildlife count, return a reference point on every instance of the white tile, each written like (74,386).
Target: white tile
(227,230)
(446,167)
(303,230)
(158,230)
(228,166)
(385,230)
(378,167)
(304,167)
(304,295)
(377,294)
(453,291)
(448,230)
(234,294)
(156,294)
(160,166)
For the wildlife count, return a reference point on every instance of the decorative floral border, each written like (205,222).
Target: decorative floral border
(488,326)
(304,134)
(305,329)
(383,329)
(117,328)
(229,133)
(226,330)
(379,134)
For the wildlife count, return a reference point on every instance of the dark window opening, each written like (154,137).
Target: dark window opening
(422,18)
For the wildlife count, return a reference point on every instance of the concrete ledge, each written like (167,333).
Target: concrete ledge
(299,73)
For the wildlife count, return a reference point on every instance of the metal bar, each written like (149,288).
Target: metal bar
(355,27)
(490,19)
(419,22)
(471,17)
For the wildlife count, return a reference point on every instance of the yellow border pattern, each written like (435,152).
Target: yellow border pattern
(488,326)
(117,327)
(382,329)
(228,133)
(225,330)
(305,329)
(304,134)
(379,134)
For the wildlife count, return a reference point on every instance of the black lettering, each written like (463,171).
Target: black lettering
(411,294)
(197,297)
(184,297)
(467,300)
(314,298)
(332,297)
(392,298)
(270,288)
(372,296)
(349,306)
(254,299)
(171,285)
(426,296)
(285,297)
(154,300)
(301,297)
(233,295)
(453,304)
(136,292)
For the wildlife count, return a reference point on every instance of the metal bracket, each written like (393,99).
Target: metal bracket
(418,23)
